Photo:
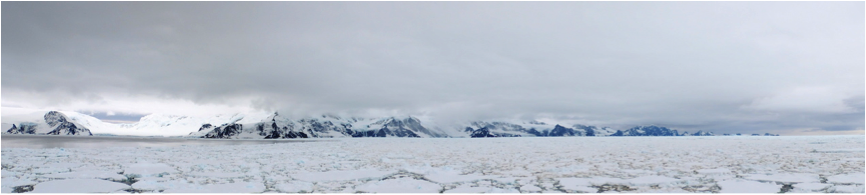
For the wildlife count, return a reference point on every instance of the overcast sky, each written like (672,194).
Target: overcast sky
(779,67)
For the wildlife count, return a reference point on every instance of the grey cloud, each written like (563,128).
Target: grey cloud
(688,64)
(119,117)
(856,103)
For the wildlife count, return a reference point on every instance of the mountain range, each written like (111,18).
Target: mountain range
(276,126)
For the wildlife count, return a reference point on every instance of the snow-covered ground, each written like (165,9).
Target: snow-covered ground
(454,165)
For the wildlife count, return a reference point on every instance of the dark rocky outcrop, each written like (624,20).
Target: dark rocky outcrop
(560,131)
(699,133)
(479,133)
(225,131)
(23,128)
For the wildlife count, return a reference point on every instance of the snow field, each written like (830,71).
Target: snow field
(454,165)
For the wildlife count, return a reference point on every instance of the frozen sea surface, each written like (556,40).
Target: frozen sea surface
(793,164)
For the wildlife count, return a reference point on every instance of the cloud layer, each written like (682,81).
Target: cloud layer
(721,66)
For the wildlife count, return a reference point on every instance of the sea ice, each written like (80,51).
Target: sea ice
(295,187)
(451,177)
(718,171)
(401,185)
(538,164)
(340,175)
(9,183)
(148,170)
(810,187)
(651,180)
(6,173)
(784,177)
(155,184)
(530,188)
(580,188)
(847,189)
(850,178)
(746,186)
(464,189)
(239,187)
(78,186)
(105,175)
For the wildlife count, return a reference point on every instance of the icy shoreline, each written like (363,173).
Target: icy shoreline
(455,165)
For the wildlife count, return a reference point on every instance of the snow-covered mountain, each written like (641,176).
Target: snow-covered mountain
(538,129)
(651,130)
(276,126)
(533,129)
(52,123)
(327,126)
(699,133)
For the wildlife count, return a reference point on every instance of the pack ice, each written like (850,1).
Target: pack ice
(795,164)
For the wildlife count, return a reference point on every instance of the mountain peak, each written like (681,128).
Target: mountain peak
(53,118)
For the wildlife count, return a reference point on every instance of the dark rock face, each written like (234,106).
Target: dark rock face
(22,189)
(647,131)
(560,131)
(69,129)
(205,126)
(273,132)
(225,131)
(703,133)
(23,128)
(54,118)
(482,132)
